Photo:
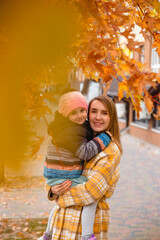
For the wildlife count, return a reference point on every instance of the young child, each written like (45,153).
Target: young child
(72,144)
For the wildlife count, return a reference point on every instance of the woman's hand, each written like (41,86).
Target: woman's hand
(61,188)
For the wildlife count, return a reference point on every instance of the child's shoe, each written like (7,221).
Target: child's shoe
(92,237)
(45,237)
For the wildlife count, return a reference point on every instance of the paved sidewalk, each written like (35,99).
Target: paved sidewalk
(135,206)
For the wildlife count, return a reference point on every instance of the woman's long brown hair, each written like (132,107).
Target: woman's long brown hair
(113,126)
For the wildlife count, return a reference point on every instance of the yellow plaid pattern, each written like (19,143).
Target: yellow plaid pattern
(102,173)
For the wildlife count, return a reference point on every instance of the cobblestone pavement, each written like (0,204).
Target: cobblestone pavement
(135,205)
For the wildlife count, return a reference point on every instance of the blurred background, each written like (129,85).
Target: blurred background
(43,49)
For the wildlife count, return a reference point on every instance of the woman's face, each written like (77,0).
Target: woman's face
(98,116)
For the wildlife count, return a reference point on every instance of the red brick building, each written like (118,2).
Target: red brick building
(146,127)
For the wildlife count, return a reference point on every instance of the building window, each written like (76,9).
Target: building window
(141,55)
(121,110)
(144,116)
(155,61)
(157,124)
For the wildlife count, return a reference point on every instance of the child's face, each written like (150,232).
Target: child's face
(78,115)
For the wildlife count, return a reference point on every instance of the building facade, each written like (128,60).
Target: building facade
(146,127)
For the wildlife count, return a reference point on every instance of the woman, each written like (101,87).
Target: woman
(102,173)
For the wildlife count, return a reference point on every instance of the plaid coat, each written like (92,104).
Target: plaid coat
(102,173)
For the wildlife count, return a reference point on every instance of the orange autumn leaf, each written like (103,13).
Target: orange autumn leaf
(148,103)
(108,72)
(122,88)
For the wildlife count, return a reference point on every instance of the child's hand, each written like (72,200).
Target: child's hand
(61,188)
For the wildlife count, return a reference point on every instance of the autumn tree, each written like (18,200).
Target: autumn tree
(40,41)
(100,48)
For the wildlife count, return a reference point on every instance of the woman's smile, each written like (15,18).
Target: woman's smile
(97,123)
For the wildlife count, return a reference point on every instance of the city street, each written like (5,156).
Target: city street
(135,206)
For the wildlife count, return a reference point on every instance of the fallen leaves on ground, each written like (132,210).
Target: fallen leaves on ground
(24,229)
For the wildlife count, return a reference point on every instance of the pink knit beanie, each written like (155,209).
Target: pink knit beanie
(70,101)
